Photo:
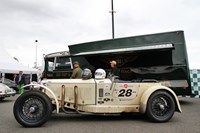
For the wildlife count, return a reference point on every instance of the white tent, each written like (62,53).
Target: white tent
(9,65)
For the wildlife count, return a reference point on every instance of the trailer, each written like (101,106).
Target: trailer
(160,57)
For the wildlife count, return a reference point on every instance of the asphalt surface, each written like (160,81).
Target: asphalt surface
(186,122)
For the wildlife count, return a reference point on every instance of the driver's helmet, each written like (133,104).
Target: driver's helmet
(86,74)
(100,74)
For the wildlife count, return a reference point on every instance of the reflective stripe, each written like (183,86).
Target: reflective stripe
(152,47)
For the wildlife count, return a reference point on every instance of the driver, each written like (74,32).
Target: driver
(115,70)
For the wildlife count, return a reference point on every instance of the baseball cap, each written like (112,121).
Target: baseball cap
(75,62)
(113,62)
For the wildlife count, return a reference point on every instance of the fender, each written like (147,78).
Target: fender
(151,90)
(49,90)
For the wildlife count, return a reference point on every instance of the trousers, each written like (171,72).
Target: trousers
(21,89)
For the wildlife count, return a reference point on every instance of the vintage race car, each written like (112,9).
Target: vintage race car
(95,97)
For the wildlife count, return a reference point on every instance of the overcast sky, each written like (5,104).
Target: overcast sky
(58,23)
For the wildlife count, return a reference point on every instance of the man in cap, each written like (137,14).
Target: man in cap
(115,70)
(77,71)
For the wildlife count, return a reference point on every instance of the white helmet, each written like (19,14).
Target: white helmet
(100,74)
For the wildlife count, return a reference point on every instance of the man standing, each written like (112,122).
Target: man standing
(115,70)
(77,71)
(20,81)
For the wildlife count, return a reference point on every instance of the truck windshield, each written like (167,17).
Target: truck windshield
(50,64)
(62,63)
(58,63)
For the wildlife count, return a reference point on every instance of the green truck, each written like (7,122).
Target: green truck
(160,57)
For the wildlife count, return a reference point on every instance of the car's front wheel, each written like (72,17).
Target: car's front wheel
(160,106)
(32,109)
(1,98)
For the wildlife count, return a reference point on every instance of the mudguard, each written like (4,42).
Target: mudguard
(36,85)
(146,95)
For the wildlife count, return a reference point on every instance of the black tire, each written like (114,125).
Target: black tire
(160,106)
(16,89)
(32,109)
(1,98)
(53,107)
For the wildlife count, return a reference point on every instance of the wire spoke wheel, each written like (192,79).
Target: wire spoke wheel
(32,109)
(160,107)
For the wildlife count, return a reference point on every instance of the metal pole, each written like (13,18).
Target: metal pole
(36,54)
(113,24)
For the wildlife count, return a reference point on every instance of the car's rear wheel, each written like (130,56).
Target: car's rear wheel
(32,109)
(160,106)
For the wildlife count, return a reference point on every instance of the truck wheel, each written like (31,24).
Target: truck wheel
(160,106)
(32,109)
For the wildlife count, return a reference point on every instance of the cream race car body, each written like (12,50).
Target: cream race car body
(102,96)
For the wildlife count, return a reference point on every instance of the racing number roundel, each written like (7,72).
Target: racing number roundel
(125,85)
(125,91)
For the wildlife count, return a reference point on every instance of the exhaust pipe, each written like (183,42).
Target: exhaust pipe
(76,102)
(63,102)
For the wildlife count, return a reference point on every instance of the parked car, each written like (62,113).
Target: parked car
(6,91)
(10,83)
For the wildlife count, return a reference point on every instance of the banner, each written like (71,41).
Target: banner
(195,82)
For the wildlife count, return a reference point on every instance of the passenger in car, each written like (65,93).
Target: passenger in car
(77,72)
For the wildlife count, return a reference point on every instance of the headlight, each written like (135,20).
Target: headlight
(44,82)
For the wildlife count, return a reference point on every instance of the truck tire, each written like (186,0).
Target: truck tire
(32,109)
(160,106)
